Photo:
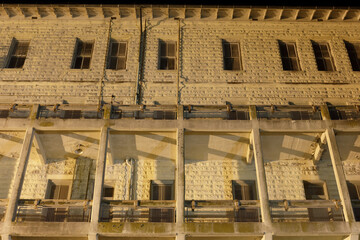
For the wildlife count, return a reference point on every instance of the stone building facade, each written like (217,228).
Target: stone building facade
(179,122)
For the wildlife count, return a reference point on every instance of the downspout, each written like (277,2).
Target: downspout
(101,89)
(141,60)
(178,66)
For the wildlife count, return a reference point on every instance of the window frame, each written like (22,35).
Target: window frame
(290,59)
(323,58)
(355,62)
(117,56)
(162,182)
(166,57)
(239,58)
(245,183)
(12,53)
(77,55)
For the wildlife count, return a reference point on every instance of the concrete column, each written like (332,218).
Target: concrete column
(180,237)
(99,175)
(352,237)
(93,237)
(180,177)
(5,237)
(260,177)
(252,112)
(18,178)
(180,112)
(339,175)
(267,236)
(325,112)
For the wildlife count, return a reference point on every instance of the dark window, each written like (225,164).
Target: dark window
(71,114)
(245,190)
(354,192)
(108,192)
(316,191)
(83,55)
(353,50)
(167,55)
(323,56)
(117,55)
(289,57)
(18,54)
(163,190)
(231,56)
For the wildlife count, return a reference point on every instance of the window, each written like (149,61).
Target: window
(117,55)
(245,190)
(231,56)
(354,192)
(57,191)
(353,50)
(316,191)
(289,57)
(83,55)
(162,190)
(167,55)
(18,54)
(323,56)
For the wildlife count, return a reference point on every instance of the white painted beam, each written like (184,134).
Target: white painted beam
(261,177)
(339,175)
(40,148)
(99,177)
(18,179)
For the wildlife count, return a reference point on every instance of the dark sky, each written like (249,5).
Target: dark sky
(329,3)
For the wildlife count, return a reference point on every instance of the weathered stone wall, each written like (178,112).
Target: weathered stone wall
(47,77)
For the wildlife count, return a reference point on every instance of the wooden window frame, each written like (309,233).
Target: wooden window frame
(165,57)
(81,56)
(231,58)
(115,57)
(353,50)
(323,55)
(15,54)
(290,63)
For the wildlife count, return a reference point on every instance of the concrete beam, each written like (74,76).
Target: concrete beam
(352,237)
(111,158)
(319,147)
(18,179)
(99,177)
(260,177)
(40,148)
(267,236)
(339,175)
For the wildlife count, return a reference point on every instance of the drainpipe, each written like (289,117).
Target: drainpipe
(141,60)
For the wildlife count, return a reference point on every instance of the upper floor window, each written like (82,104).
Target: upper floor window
(18,54)
(289,56)
(117,55)
(83,55)
(167,55)
(353,50)
(323,56)
(231,56)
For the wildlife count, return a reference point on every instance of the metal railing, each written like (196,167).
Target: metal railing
(51,210)
(222,211)
(306,210)
(288,112)
(137,211)
(225,112)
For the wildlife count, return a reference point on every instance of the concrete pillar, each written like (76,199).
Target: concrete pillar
(180,112)
(93,237)
(180,237)
(19,177)
(352,237)
(180,177)
(325,112)
(99,175)
(252,112)
(34,111)
(260,177)
(339,175)
(5,237)
(267,236)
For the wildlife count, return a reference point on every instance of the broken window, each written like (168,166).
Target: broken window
(168,55)
(162,190)
(289,56)
(117,55)
(245,190)
(316,191)
(354,192)
(353,50)
(83,54)
(231,56)
(323,56)
(18,54)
